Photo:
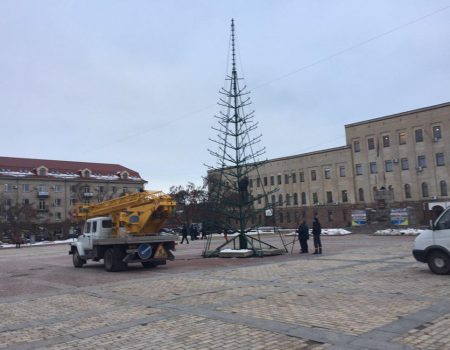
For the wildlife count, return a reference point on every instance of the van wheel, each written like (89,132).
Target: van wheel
(113,260)
(76,259)
(439,262)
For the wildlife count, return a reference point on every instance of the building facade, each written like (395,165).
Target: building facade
(399,161)
(51,187)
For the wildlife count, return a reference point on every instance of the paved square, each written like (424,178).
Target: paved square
(364,292)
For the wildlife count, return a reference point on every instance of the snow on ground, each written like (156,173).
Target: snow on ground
(398,232)
(335,231)
(6,245)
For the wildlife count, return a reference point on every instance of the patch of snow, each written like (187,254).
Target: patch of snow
(235,250)
(398,232)
(335,231)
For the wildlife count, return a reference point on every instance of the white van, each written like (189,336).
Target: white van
(433,246)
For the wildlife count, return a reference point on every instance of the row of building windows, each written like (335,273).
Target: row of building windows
(402,139)
(404,164)
(7,187)
(443,191)
(292,178)
(293,199)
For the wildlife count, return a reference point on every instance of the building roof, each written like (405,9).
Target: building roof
(419,110)
(22,167)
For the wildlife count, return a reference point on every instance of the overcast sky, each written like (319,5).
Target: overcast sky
(136,82)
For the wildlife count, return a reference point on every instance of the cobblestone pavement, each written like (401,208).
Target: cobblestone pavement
(364,292)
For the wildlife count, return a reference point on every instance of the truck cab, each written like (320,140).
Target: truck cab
(433,246)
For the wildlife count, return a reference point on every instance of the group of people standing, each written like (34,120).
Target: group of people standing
(303,236)
(193,231)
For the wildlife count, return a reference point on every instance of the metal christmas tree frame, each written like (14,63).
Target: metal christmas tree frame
(237,156)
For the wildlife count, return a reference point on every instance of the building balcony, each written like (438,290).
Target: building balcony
(42,194)
(88,195)
(43,210)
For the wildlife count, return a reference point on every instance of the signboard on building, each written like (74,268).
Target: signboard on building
(359,217)
(399,217)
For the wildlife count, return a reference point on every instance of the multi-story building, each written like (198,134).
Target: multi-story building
(51,187)
(397,161)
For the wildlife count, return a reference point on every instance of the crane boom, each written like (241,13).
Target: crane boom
(140,213)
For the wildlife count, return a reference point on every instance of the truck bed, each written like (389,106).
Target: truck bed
(136,239)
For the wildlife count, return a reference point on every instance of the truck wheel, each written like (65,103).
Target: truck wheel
(148,264)
(77,261)
(113,260)
(439,263)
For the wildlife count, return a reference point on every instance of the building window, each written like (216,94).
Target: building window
(125,190)
(279,179)
(313,175)
(295,199)
(424,190)
(25,187)
(302,177)
(280,199)
(272,198)
(272,181)
(42,188)
(265,180)
(327,173)
(7,188)
(86,189)
(419,135)
(359,169)
(437,134)
(58,216)
(402,138)
(443,186)
(386,141)
(258,182)
(388,166)
(407,191)
(87,173)
(344,196)
(259,199)
(280,217)
(101,189)
(329,197)
(294,178)
(330,216)
(342,170)
(288,199)
(361,195)
(42,205)
(25,201)
(373,167)
(421,162)
(286,178)
(356,146)
(371,143)
(42,171)
(404,163)
(303,198)
(57,188)
(250,183)
(315,198)
(57,202)
(440,159)
(125,175)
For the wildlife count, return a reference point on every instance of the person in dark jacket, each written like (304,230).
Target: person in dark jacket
(303,236)
(316,231)
(184,234)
